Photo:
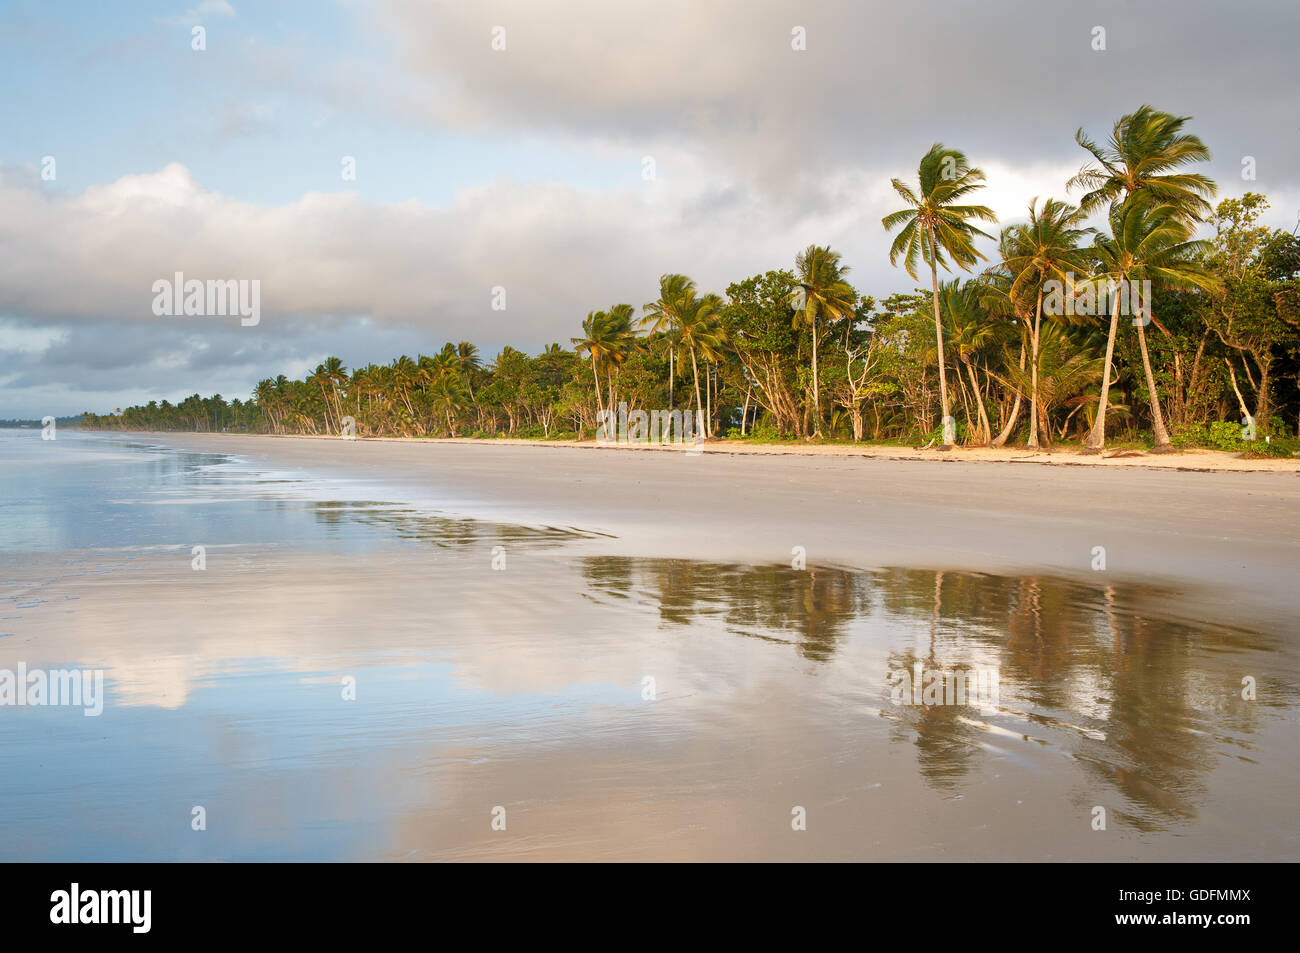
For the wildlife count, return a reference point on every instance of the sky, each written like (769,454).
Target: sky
(519,163)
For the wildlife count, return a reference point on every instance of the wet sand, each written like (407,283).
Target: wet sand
(523,685)
(1226,541)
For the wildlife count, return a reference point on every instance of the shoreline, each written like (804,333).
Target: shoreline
(1190,461)
(1222,541)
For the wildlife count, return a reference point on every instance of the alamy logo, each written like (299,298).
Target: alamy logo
(1098,297)
(56,688)
(655,426)
(134,907)
(975,687)
(211,298)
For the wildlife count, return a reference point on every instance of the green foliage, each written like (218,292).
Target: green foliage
(1224,334)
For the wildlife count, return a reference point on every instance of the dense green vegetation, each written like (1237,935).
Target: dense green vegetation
(1047,343)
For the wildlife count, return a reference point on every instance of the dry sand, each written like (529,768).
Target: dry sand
(1224,537)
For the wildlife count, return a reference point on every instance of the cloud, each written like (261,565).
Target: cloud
(1006,80)
(201,11)
(759,150)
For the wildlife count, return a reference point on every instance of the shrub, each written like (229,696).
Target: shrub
(1224,435)
(1189,435)
(763,431)
(1278,447)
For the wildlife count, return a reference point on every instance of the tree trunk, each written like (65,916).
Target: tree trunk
(599,401)
(609,376)
(708,392)
(699,401)
(1157,418)
(1015,407)
(1033,385)
(817,402)
(938,335)
(986,431)
(1097,438)
(671,350)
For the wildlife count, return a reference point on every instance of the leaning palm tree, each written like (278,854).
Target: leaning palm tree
(1007,312)
(664,316)
(469,361)
(700,330)
(605,339)
(447,393)
(1066,374)
(1145,149)
(1046,248)
(621,343)
(593,343)
(820,292)
(934,226)
(1146,243)
(971,333)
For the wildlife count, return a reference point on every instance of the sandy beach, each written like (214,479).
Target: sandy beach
(1219,530)
(362,649)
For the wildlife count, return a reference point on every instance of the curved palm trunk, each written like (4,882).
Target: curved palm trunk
(325,401)
(1157,418)
(1015,406)
(609,376)
(699,401)
(986,430)
(938,335)
(817,400)
(600,406)
(1097,438)
(709,391)
(1033,380)
(671,351)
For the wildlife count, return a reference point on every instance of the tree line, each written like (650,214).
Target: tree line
(1135,330)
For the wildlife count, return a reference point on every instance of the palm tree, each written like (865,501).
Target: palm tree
(971,333)
(604,338)
(664,317)
(933,225)
(820,291)
(406,374)
(448,394)
(1066,374)
(1044,249)
(467,358)
(1144,148)
(620,344)
(700,330)
(1004,310)
(1146,243)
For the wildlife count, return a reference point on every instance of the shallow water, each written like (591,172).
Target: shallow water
(606,706)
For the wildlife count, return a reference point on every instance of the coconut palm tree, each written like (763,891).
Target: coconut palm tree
(406,377)
(448,395)
(1144,149)
(971,333)
(1046,248)
(621,344)
(1005,311)
(1146,243)
(605,339)
(700,330)
(664,317)
(935,226)
(469,361)
(820,292)
(1066,374)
